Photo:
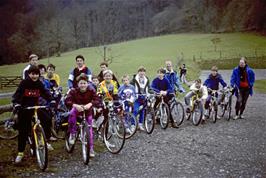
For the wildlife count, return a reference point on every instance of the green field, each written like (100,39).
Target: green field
(152,52)
(260,86)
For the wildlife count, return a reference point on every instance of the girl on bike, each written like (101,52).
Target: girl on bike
(81,99)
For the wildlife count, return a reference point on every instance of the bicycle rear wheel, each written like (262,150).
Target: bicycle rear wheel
(114,134)
(177,113)
(85,142)
(7,132)
(40,146)
(131,124)
(164,115)
(149,120)
(197,114)
(229,109)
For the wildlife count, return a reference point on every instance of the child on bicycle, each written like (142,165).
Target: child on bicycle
(126,92)
(142,86)
(196,87)
(27,94)
(81,99)
(212,82)
(162,86)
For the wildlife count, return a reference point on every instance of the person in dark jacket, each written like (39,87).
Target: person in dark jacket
(80,99)
(104,67)
(27,94)
(81,68)
(162,86)
(212,82)
(242,79)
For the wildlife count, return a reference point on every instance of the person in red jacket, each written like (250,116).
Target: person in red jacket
(81,99)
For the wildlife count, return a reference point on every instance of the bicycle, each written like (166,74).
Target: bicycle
(114,132)
(196,111)
(213,105)
(37,139)
(8,121)
(149,115)
(177,111)
(226,103)
(83,133)
(162,112)
(130,120)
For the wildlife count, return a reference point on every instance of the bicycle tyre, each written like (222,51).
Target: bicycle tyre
(6,132)
(131,122)
(69,147)
(197,114)
(213,114)
(229,109)
(85,142)
(114,133)
(58,132)
(178,115)
(149,120)
(40,147)
(164,115)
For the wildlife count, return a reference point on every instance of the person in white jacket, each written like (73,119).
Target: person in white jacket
(203,92)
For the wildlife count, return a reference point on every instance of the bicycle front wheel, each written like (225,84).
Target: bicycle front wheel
(149,120)
(40,146)
(85,142)
(177,113)
(164,115)
(131,124)
(114,134)
(197,114)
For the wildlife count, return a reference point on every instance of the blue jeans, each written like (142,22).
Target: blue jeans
(137,104)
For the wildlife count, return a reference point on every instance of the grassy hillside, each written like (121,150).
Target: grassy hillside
(152,52)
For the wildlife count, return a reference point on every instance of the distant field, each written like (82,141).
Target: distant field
(152,52)
(260,86)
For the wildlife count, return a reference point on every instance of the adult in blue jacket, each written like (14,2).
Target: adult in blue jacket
(242,79)
(173,77)
(213,82)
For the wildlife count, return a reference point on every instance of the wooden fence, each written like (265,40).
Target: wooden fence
(9,81)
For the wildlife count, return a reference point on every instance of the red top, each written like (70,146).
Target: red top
(244,82)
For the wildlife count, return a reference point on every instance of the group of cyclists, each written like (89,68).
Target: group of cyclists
(87,92)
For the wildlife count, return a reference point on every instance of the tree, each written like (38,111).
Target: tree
(215,42)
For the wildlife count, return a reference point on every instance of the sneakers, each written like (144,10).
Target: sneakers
(92,153)
(128,131)
(94,125)
(236,117)
(52,138)
(109,144)
(49,147)
(188,110)
(71,139)
(19,157)
(241,117)
(141,127)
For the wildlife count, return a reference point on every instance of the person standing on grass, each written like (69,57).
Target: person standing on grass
(33,61)
(81,68)
(183,73)
(242,79)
